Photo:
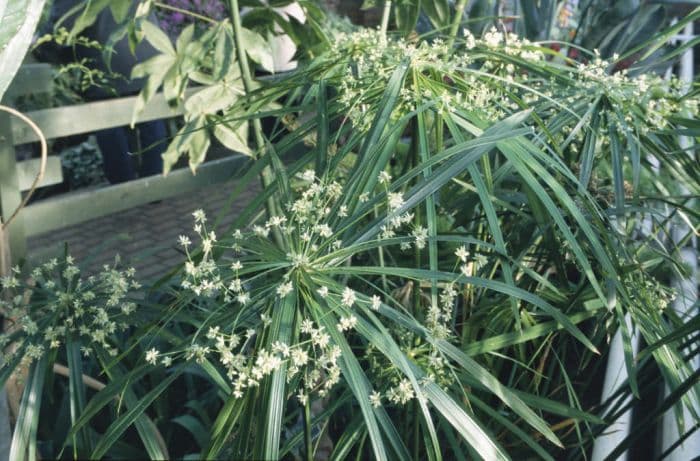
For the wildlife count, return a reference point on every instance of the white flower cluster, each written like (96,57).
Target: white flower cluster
(314,358)
(374,60)
(56,303)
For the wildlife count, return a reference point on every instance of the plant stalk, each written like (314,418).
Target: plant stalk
(385,19)
(456,21)
(246,75)
(307,431)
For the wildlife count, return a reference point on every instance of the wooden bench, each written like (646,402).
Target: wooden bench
(76,207)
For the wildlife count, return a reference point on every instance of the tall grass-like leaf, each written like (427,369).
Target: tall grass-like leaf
(361,388)
(127,419)
(276,396)
(23,445)
(76,389)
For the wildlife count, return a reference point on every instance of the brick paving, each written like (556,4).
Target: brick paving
(144,237)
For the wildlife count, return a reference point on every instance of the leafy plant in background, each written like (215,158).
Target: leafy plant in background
(447,234)
(82,164)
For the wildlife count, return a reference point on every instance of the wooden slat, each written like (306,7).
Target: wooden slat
(31,79)
(10,196)
(74,208)
(92,116)
(28,169)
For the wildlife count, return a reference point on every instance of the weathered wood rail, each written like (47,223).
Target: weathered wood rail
(76,207)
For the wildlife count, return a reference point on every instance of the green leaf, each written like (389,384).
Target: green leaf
(236,140)
(275,398)
(23,445)
(438,12)
(117,428)
(87,16)
(158,38)
(258,49)
(76,388)
(120,10)
(18,19)
(406,15)
(213,99)
(359,385)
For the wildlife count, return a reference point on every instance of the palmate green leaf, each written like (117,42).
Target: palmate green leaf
(258,49)
(18,19)
(158,38)
(155,68)
(87,11)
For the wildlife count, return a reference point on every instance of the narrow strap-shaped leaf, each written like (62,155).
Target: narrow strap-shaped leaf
(466,426)
(23,445)
(117,428)
(524,171)
(492,219)
(513,428)
(470,366)
(381,338)
(323,128)
(387,104)
(451,168)
(588,151)
(359,384)
(76,388)
(119,388)
(500,287)
(431,215)
(275,397)
(618,178)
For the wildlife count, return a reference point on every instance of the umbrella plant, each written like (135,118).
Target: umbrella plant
(447,234)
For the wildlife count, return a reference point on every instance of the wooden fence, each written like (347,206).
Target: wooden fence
(76,207)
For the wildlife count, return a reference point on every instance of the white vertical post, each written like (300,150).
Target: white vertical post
(615,377)
(686,294)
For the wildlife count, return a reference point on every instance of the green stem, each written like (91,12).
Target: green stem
(266,176)
(416,431)
(456,21)
(385,18)
(164,6)
(380,251)
(307,432)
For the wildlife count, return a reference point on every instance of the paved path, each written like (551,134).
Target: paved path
(145,237)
